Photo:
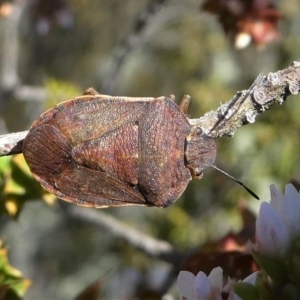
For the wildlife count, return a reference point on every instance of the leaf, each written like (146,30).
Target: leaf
(245,290)
(18,186)
(12,283)
(276,269)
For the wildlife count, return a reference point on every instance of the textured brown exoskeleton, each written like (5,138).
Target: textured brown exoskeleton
(98,150)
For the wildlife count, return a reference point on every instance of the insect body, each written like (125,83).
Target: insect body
(99,150)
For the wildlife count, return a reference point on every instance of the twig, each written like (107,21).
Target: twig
(147,244)
(9,77)
(246,105)
(240,110)
(10,83)
(30,93)
(12,143)
(10,48)
(130,43)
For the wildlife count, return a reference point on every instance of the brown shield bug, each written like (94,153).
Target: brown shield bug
(98,150)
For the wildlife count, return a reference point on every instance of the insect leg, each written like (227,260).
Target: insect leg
(90,91)
(184,104)
(172,97)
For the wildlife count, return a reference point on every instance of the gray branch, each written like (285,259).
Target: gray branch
(242,109)
(129,43)
(10,49)
(147,244)
(12,143)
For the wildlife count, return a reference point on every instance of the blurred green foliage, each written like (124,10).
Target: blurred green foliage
(59,91)
(12,284)
(18,186)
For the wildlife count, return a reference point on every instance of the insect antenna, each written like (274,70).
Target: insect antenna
(237,181)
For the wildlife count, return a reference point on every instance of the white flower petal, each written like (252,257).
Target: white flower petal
(186,284)
(291,210)
(202,286)
(272,235)
(216,278)
(251,278)
(276,197)
(204,289)
(288,208)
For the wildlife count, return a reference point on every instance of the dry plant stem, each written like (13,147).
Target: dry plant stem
(131,42)
(242,109)
(12,143)
(10,85)
(147,244)
(246,105)
(10,49)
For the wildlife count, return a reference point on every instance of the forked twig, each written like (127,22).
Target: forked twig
(242,109)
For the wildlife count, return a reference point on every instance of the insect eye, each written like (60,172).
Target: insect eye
(198,130)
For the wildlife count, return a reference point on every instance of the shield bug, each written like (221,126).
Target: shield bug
(98,150)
